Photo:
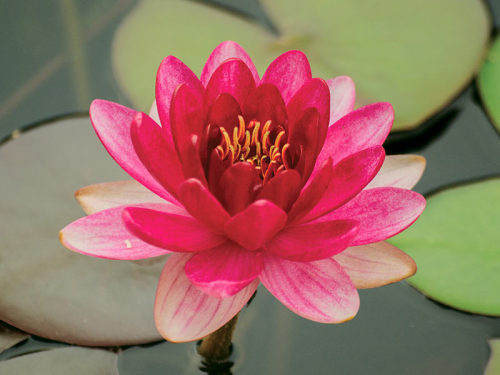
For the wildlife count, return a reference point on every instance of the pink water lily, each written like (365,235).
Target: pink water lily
(246,180)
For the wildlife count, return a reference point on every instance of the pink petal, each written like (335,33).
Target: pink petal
(106,195)
(376,264)
(156,152)
(342,97)
(305,243)
(187,121)
(288,72)
(171,73)
(312,193)
(183,312)
(403,171)
(320,291)
(265,103)
(104,235)
(381,212)
(200,203)
(224,113)
(313,94)
(365,127)
(238,186)
(224,51)
(112,123)
(169,230)
(256,225)
(349,177)
(224,271)
(282,189)
(232,77)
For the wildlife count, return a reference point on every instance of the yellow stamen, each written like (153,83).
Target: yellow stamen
(265,138)
(242,127)
(280,135)
(284,152)
(255,133)
(235,137)
(257,149)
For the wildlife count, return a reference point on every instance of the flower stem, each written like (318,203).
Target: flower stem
(217,345)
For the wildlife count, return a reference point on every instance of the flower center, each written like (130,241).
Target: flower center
(262,146)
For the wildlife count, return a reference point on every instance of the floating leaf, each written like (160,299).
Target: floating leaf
(455,245)
(10,337)
(493,367)
(489,82)
(72,360)
(415,54)
(46,289)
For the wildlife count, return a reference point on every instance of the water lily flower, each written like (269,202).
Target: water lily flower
(247,180)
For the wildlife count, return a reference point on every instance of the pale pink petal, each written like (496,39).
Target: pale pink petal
(112,123)
(169,230)
(183,312)
(256,225)
(349,177)
(402,171)
(319,291)
(200,203)
(342,97)
(104,235)
(98,197)
(376,264)
(226,50)
(288,72)
(381,212)
(153,113)
(365,127)
(225,270)
(171,73)
(308,242)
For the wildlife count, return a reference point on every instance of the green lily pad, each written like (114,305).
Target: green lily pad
(418,55)
(48,290)
(455,244)
(72,360)
(493,367)
(489,82)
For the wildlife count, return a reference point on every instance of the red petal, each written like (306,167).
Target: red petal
(238,186)
(232,77)
(283,189)
(349,177)
(225,112)
(171,73)
(256,225)
(200,203)
(309,242)
(156,153)
(224,271)
(170,231)
(265,103)
(288,72)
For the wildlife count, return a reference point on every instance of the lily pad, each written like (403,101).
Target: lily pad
(418,55)
(489,82)
(493,367)
(10,337)
(455,245)
(46,289)
(72,360)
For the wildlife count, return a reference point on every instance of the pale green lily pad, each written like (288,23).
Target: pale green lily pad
(489,82)
(47,289)
(493,367)
(455,244)
(416,54)
(64,361)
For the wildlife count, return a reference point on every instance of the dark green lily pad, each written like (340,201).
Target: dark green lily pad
(64,361)
(46,289)
(10,337)
(455,244)
(489,82)
(407,53)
